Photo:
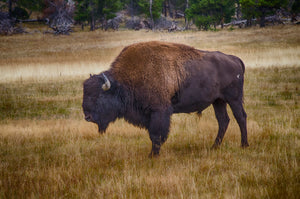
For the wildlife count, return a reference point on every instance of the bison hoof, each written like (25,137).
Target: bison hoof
(245,145)
(215,146)
(153,155)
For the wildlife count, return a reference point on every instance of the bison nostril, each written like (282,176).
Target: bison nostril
(88,118)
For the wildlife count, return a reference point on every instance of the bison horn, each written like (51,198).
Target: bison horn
(106,85)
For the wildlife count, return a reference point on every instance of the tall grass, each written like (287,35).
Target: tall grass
(48,151)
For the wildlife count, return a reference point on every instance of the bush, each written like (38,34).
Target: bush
(20,13)
(203,22)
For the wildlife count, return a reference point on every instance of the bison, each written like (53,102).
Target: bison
(150,81)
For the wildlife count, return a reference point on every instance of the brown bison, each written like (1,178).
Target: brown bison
(150,81)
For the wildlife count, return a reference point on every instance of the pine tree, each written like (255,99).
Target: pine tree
(22,9)
(93,10)
(152,9)
(261,8)
(108,9)
(210,12)
(295,9)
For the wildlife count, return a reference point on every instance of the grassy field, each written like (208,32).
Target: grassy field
(47,150)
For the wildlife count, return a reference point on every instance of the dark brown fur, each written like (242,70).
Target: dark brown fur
(150,81)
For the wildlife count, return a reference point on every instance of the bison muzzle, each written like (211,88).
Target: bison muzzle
(150,81)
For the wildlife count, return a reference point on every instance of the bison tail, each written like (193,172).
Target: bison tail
(243,66)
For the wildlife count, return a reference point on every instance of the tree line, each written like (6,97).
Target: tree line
(205,14)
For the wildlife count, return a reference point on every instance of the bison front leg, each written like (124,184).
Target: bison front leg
(159,130)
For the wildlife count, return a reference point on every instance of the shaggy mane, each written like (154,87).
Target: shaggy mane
(153,70)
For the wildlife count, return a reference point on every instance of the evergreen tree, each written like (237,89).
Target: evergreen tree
(295,9)
(93,10)
(82,12)
(31,5)
(210,12)
(261,8)
(152,9)
(132,6)
(172,6)
(108,8)
(22,9)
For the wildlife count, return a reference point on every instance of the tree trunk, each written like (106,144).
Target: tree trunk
(222,22)
(92,17)
(222,19)
(92,22)
(151,16)
(185,19)
(165,8)
(249,21)
(170,9)
(9,2)
(131,9)
(262,19)
(238,10)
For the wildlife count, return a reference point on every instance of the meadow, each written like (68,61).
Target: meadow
(47,149)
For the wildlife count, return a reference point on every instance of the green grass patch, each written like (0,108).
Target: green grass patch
(37,100)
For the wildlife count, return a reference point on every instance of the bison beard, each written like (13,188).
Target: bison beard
(150,81)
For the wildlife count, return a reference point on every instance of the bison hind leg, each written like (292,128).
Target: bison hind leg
(241,118)
(223,120)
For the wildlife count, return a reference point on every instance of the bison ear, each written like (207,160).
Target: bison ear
(106,85)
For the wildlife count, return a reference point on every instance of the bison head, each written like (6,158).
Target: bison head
(101,104)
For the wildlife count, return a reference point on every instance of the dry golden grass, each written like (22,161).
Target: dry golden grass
(39,56)
(48,151)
